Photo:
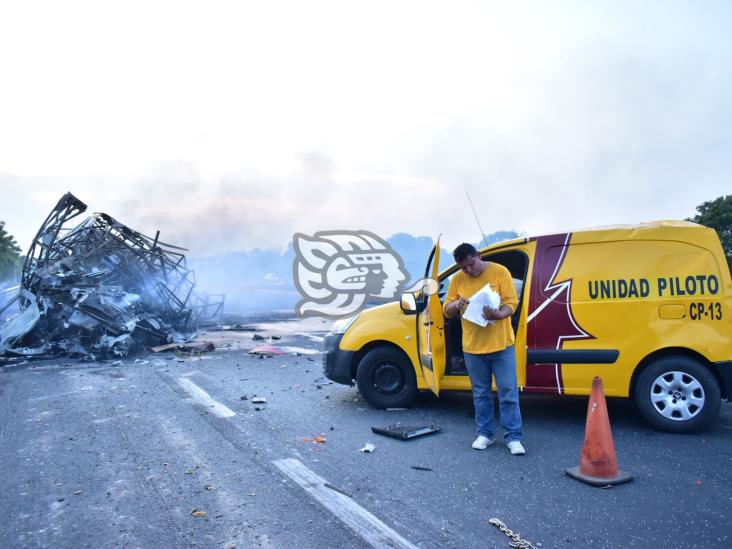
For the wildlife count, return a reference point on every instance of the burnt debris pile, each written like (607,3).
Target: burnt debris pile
(100,288)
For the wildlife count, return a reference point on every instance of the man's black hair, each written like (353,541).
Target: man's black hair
(462,252)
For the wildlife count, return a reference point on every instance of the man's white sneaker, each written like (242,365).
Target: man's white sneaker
(482,442)
(515,447)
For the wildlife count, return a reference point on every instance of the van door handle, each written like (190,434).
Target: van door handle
(429,323)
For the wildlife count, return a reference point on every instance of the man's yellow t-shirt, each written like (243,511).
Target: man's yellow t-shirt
(494,337)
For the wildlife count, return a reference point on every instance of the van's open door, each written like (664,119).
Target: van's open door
(431,328)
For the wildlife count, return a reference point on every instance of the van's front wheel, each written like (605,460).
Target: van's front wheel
(386,379)
(677,394)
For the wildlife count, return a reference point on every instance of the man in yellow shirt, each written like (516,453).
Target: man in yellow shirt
(489,350)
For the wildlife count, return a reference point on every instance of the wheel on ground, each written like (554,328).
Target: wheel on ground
(677,394)
(386,378)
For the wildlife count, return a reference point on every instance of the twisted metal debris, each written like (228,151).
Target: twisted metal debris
(100,287)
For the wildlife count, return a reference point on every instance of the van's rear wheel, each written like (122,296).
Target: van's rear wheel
(386,379)
(677,394)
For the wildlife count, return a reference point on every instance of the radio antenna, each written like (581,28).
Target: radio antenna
(485,241)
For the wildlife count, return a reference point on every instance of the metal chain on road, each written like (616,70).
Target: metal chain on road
(518,541)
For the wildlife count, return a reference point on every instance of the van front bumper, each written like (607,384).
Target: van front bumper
(337,362)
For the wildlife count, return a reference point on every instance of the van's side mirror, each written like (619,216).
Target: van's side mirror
(413,303)
(409,303)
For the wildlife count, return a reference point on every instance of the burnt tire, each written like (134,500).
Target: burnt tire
(677,394)
(386,379)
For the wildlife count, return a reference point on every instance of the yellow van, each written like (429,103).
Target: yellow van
(647,307)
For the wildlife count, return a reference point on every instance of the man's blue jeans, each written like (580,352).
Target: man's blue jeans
(502,365)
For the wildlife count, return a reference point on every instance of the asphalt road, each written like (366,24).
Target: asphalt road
(133,455)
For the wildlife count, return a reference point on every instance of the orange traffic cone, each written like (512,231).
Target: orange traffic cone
(598,462)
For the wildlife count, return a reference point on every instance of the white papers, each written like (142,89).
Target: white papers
(486,296)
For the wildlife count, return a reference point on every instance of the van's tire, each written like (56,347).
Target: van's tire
(677,394)
(386,379)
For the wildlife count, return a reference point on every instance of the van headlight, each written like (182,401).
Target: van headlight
(340,326)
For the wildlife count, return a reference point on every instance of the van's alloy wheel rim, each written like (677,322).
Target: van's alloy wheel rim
(677,396)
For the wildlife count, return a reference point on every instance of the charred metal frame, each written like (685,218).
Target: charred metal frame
(101,279)
(139,258)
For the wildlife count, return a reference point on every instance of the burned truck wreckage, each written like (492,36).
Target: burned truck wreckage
(102,289)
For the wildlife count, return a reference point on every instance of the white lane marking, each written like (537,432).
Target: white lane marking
(366,525)
(301,350)
(311,337)
(204,399)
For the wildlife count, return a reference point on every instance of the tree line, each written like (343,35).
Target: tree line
(717,214)
(10,258)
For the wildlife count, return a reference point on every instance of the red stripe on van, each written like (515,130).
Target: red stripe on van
(550,320)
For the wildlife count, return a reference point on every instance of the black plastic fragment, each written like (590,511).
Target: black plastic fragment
(405,433)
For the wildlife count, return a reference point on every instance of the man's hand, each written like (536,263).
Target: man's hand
(496,314)
(458,305)
(461,302)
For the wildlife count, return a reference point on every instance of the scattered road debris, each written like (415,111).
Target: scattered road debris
(194,346)
(267,350)
(517,541)
(420,468)
(231,328)
(405,433)
(316,440)
(259,400)
(293,350)
(320,381)
(100,288)
(198,513)
(338,489)
(368,448)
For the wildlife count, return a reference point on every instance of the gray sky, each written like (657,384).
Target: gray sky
(232,125)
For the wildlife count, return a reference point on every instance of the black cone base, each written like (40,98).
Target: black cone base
(621,478)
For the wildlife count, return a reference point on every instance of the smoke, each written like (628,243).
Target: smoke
(616,136)
(211,215)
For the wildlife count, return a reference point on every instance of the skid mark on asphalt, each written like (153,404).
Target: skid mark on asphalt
(366,525)
(204,399)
